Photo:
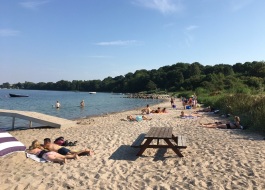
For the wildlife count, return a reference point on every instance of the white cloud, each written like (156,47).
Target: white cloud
(239,4)
(8,32)
(33,4)
(191,27)
(188,40)
(118,43)
(164,6)
(189,34)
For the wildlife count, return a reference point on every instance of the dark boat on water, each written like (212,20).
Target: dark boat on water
(17,95)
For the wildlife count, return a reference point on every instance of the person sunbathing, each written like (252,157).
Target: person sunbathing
(137,118)
(64,151)
(52,156)
(183,115)
(158,110)
(228,125)
(164,110)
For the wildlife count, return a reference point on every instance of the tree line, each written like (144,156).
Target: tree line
(238,78)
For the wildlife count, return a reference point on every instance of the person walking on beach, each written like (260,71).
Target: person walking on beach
(57,105)
(172,101)
(62,150)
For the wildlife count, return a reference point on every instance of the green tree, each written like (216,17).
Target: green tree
(150,85)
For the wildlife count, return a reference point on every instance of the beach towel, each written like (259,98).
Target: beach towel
(9,144)
(36,158)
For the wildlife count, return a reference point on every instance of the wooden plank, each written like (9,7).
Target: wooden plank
(40,118)
(137,143)
(150,133)
(156,132)
(159,132)
(182,142)
(168,133)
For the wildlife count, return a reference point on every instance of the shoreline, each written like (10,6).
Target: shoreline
(214,158)
(117,112)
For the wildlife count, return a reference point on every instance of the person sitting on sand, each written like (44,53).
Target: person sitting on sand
(228,125)
(146,110)
(52,156)
(138,118)
(62,150)
(158,110)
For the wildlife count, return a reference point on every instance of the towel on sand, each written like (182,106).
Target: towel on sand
(9,144)
(34,157)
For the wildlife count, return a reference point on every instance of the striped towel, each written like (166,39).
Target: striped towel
(9,144)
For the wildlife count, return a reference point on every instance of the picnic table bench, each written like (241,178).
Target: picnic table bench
(145,141)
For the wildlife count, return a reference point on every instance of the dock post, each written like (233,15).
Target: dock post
(13,123)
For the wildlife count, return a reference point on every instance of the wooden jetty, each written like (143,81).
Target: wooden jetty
(43,119)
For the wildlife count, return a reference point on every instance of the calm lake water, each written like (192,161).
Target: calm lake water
(44,102)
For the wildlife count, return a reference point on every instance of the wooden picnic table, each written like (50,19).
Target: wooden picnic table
(160,133)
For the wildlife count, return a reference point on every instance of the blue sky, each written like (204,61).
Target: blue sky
(52,40)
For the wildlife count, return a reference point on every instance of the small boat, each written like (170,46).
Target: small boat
(92,92)
(17,95)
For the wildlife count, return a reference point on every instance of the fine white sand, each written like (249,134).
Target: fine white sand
(214,158)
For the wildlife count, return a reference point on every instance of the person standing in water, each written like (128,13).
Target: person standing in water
(82,103)
(57,105)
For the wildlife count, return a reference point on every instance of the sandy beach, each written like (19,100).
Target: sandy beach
(214,158)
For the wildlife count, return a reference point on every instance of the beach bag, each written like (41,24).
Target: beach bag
(188,107)
(60,141)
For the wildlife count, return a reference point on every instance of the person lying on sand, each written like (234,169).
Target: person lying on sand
(137,118)
(228,125)
(158,110)
(64,151)
(164,110)
(52,156)
(182,114)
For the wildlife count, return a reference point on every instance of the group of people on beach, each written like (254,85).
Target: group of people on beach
(192,101)
(148,110)
(54,152)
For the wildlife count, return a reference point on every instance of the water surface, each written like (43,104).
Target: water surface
(44,102)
